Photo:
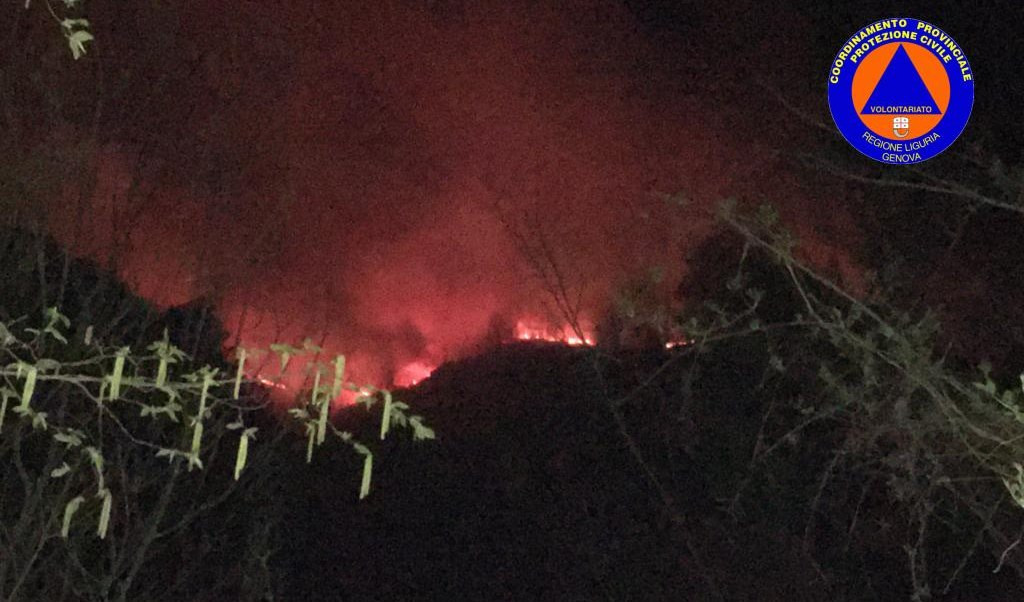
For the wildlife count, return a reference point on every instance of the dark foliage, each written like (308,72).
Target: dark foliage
(211,537)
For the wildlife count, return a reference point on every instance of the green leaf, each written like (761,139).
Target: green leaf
(197,436)
(321,423)
(420,431)
(56,334)
(285,351)
(243,452)
(69,512)
(339,376)
(988,386)
(364,488)
(60,471)
(171,454)
(76,41)
(47,365)
(310,347)
(68,438)
(398,417)
(310,440)
(97,462)
(30,386)
(171,393)
(5,394)
(1009,398)
(115,378)
(324,414)
(161,373)
(71,24)
(108,499)
(385,420)
(238,372)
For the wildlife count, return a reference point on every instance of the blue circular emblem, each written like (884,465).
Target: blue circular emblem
(900,90)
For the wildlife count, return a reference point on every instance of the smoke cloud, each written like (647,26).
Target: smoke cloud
(372,176)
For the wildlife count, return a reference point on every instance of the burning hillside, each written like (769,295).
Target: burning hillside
(427,176)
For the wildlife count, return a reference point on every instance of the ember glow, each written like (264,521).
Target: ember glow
(535,330)
(413,373)
(266,382)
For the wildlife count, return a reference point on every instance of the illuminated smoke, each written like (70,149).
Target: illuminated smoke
(386,179)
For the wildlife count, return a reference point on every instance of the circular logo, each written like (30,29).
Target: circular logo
(900,90)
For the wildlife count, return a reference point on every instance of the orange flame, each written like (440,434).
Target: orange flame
(266,382)
(413,373)
(533,330)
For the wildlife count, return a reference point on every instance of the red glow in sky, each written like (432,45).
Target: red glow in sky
(387,180)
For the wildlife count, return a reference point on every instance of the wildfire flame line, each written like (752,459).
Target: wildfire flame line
(527,329)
